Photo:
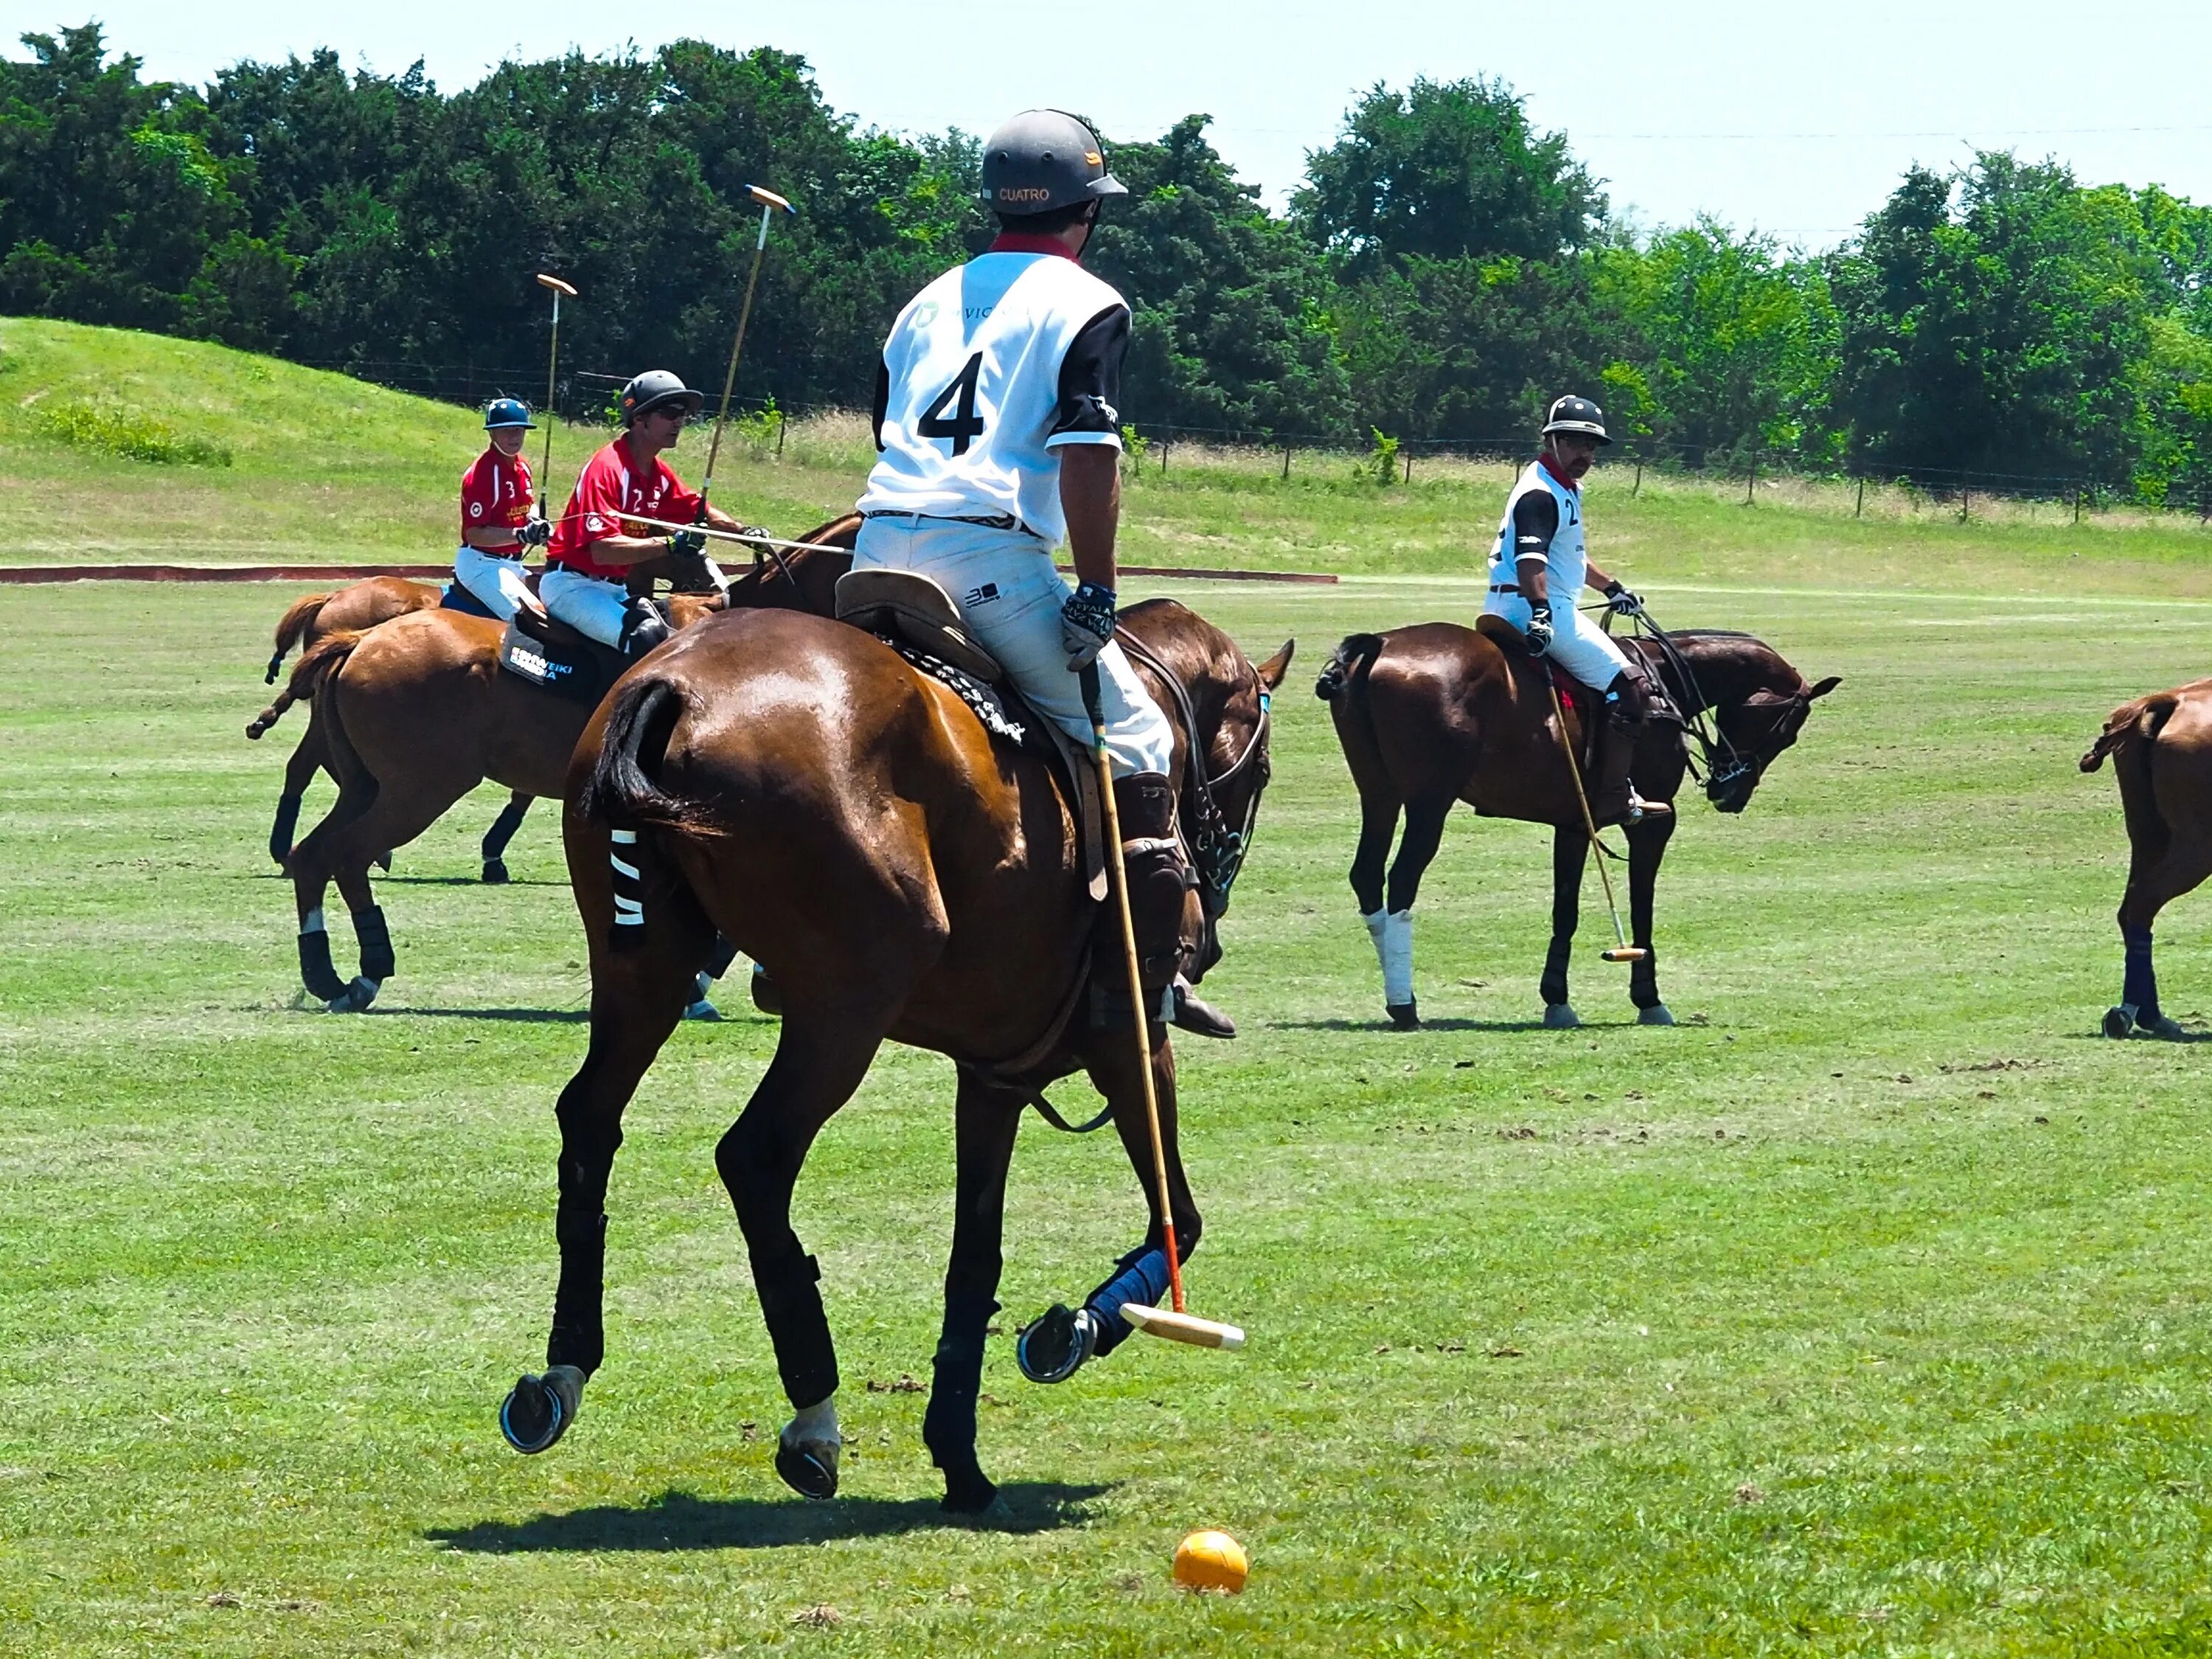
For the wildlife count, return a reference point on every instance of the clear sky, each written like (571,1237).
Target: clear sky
(1796,120)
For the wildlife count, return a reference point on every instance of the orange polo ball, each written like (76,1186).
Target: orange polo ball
(1210,1561)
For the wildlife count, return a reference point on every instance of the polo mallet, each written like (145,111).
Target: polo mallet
(1172,1323)
(1624,951)
(769,201)
(552,370)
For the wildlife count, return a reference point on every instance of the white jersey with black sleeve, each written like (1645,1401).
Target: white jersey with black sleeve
(989,370)
(1543,520)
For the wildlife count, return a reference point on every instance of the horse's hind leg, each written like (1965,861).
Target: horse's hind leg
(1569,851)
(1647,846)
(636,996)
(2179,864)
(501,832)
(820,1058)
(988,1119)
(394,817)
(1053,1348)
(1391,925)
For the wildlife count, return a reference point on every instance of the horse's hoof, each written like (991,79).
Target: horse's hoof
(702,1010)
(1559,1017)
(1656,1014)
(1404,1016)
(766,997)
(537,1410)
(1054,1348)
(495,872)
(969,1492)
(2119,1021)
(809,1467)
(356,998)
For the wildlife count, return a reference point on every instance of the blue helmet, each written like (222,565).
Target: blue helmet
(507,412)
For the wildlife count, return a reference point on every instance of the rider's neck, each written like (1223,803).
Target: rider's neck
(642,449)
(1545,461)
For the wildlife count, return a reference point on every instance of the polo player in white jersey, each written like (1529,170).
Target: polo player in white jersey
(999,433)
(1540,558)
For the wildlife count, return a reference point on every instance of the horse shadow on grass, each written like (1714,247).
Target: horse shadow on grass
(683,1521)
(1384,1027)
(512,1016)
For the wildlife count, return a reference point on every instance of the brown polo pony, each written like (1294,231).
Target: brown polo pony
(793,784)
(2161,751)
(416,712)
(353,608)
(1437,714)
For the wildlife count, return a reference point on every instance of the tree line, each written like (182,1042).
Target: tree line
(1443,270)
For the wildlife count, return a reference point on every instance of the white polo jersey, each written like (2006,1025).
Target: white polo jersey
(987,371)
(1566,559)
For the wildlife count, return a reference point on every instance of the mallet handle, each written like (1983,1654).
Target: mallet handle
(1093,705)
(1582,797)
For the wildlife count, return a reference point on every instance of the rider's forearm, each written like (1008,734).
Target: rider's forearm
(1597,578)
(1090,499)
(615,550)
(1535,582)
(718,519)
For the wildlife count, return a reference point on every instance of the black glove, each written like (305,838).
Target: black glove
(1621,602)
(686,544)
(1539,630)
(535,532)
(1087,623)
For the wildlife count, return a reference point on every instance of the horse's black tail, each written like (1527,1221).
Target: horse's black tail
(1352,656)
(623,791)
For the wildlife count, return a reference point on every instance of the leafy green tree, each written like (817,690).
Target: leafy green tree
(1444,170)
(1996,318)
(1231,325)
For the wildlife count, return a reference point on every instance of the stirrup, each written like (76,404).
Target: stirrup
(1054,1348)
(1640,809)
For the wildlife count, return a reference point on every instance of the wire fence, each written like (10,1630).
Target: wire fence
(588,394)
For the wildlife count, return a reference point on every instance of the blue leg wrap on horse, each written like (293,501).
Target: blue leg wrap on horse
(791,1302)
(957,1375)
(1143,1278)
(2139,986)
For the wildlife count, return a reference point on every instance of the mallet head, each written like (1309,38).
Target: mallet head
(555,284)
(1625,953)
(768,199)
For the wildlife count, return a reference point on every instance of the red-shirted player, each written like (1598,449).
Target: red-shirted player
(597,539)
(496,527)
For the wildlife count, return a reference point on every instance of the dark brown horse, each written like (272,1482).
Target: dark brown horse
(793,784)
(2161,751)
(1437,714)
(416,712)
(353,608)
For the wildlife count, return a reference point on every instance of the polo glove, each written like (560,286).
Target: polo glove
(1086,625)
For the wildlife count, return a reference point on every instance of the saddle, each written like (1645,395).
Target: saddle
(1575,697)
(554,657)
(915,617)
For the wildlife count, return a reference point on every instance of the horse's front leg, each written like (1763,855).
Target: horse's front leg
(300,771)
(987,1119)
(636,998)
(1647,846)
(1569,850)
(820,1058)
(1060,1342)
(1392,930)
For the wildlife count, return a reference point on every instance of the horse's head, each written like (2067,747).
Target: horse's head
(1754,725)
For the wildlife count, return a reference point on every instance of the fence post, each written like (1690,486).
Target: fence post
(1164,458)
(1639,484)
(782,420)
(1751,483)
(1965,493)
(1409,466)
(1286,464)
(2077,501)
(1859,511)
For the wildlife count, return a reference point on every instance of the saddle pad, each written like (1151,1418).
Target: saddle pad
(457,597)
(1009,720)
(583,675)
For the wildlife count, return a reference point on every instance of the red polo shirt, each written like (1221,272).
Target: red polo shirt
(495,492)
(612,491)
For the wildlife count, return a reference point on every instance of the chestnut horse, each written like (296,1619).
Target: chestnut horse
(306,623)
(793,784)
(1437,714)
(2161,751)
(416,712)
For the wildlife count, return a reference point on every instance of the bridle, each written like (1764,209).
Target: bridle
(1725,765)
(1216,851)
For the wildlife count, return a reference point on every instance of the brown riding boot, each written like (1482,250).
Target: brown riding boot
(1612,798)
(1159,876)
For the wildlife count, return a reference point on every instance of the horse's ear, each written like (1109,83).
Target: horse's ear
(1272,670)
(1824,688)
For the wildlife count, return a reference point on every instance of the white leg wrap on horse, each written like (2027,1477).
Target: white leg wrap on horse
(1397,949)
(814,1425)
(314,921)
(1374,919)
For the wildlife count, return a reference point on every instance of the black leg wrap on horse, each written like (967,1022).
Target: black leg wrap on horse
(579,1334)
(288,823)
(948,1426)
(1644,979)
(1552,988)
(374,940)
(1159,875)
(719,958)
(316,973)
(493,846)
(791,1305)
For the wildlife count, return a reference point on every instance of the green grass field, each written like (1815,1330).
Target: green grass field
(1864,1312)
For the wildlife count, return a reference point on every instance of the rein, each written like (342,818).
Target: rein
(1714,742)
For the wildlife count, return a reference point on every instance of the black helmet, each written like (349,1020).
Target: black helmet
(1042,160)
(1572,414)
(507,412)
(652,389)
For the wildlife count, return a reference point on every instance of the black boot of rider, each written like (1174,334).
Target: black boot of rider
(1193,1013)
(644,626)
(1612,798)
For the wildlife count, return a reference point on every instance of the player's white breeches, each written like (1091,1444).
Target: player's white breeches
(585,602)
(1010,597)
(1578,644)
(498,583)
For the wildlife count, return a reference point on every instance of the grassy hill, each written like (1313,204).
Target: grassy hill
(297,464)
